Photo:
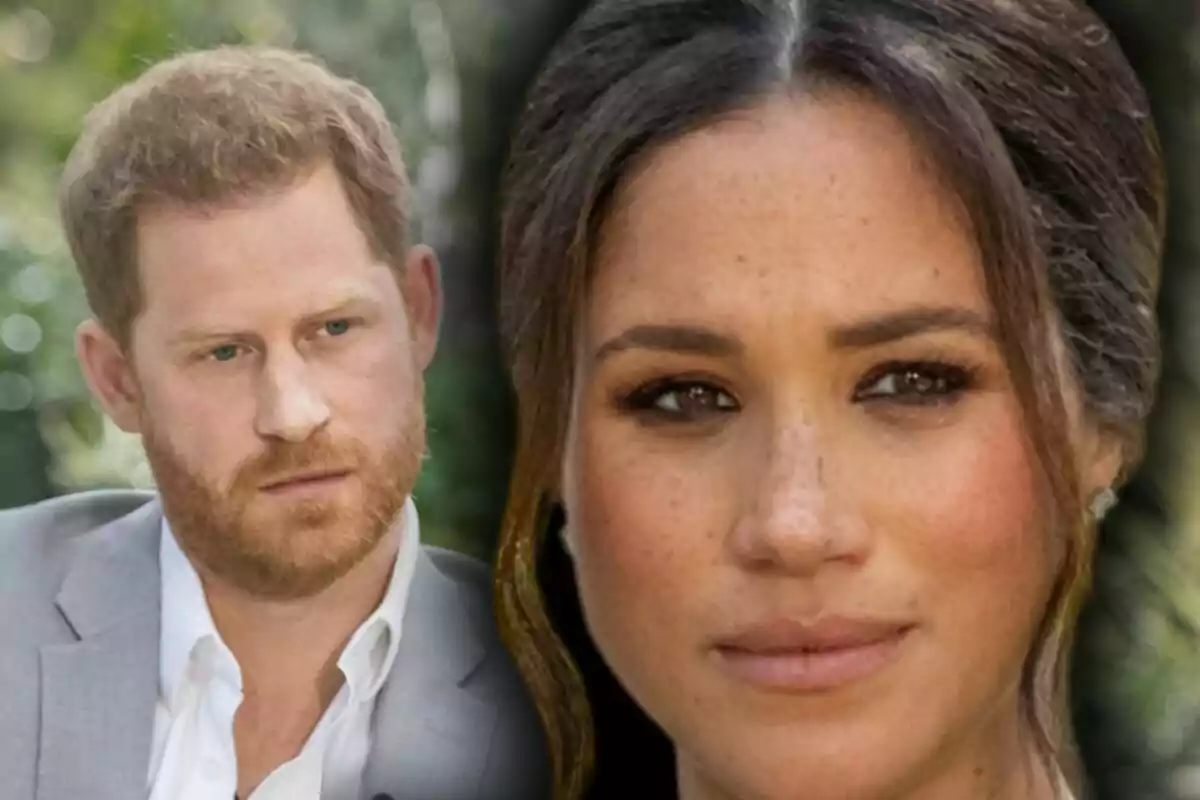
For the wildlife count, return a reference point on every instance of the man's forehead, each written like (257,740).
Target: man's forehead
(306,226)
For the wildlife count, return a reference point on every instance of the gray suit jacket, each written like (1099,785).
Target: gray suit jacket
(79,642)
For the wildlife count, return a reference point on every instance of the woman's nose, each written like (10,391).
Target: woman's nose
(794,522)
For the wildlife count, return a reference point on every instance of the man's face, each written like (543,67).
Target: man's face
(278,372)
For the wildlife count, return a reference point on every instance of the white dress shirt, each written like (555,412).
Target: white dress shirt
(200,689)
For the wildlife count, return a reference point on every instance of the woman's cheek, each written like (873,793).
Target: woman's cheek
(644,523)
(963,512)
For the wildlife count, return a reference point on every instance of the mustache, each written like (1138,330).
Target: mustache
(282,458)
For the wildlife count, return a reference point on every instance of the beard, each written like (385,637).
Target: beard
(280,550)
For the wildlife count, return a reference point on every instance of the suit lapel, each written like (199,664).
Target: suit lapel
(431,735)
(99,693)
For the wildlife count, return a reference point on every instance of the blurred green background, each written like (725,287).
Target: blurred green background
(446,70)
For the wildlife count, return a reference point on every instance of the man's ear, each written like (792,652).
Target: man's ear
(422,289)
(109,374)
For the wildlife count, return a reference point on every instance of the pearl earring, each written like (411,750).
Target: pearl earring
(1102,503)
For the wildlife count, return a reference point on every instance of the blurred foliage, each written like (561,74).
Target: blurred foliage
(1137,673)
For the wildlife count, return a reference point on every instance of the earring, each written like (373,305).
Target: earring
(564,536)
(1102,503)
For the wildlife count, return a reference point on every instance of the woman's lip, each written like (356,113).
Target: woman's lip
(794,657)
(786,634)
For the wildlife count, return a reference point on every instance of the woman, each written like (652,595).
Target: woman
(831,330)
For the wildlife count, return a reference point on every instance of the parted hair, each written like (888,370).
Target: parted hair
(209,128)
(1030,113)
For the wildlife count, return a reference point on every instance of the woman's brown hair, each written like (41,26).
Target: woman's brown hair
(1031,115)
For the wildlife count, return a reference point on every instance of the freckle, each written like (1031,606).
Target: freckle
(741,258)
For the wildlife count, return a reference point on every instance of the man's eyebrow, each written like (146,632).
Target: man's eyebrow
(201,334)
(346,305)
(686,339)
(902,324)
(205,332)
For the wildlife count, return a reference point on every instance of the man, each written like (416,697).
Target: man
(268,624)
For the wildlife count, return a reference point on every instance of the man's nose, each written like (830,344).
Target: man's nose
(794,523)
(291,406)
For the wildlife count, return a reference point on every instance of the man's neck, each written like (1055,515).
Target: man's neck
(285,648)
(288,653)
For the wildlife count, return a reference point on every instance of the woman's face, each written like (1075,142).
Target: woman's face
(806,522)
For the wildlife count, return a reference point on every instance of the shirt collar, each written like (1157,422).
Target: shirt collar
(187,623)
(367,658)
(186,620)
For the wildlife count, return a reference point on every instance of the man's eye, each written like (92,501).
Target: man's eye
(680,401)
(226,352)
(915,383)
(336,327)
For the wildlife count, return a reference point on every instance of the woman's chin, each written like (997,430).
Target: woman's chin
(785,763)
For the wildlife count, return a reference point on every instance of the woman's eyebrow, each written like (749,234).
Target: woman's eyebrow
(687,339)
(889,327)
(868,332)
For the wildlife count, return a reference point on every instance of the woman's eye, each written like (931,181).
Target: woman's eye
(681,401)
(914,383)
